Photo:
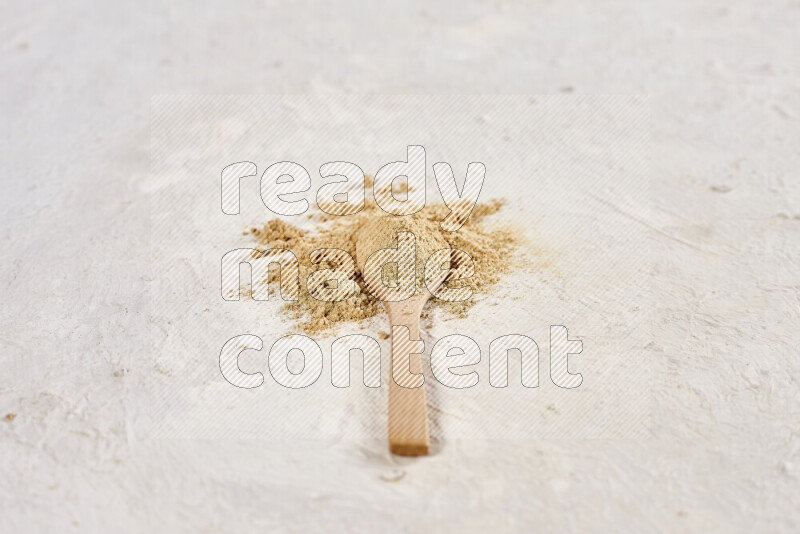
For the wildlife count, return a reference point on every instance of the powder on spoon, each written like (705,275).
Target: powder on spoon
(381,233)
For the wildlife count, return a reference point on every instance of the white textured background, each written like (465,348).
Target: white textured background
(77,353)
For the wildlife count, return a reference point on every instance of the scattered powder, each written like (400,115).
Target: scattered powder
(491,251)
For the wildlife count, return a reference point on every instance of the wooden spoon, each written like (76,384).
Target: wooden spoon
(408,412)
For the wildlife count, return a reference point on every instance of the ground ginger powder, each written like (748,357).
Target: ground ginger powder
(381,233)
(491,250)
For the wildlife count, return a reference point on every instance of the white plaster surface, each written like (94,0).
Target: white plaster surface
(80,341)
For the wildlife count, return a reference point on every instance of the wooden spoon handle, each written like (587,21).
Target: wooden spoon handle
(408,410)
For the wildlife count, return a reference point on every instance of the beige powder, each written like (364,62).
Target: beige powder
(381,233)
(490,249)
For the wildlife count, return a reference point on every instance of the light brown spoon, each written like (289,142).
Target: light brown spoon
(408,412)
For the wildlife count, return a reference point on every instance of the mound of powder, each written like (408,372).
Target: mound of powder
(492,251)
